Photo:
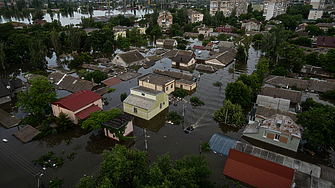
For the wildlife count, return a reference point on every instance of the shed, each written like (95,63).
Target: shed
(118,122)
(293,96)
(26,134)
(257,172)
(222,144)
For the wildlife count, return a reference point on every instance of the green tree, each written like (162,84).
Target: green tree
(123,96)
(2,55)
(205,42)
(74,38)
(55,41)
(64,123)
(37,52)
(222,37)
(238,93)
(257,37)
(302,41)
(291,57)
(313,59)
(181,46)
(280,71)
(262,68)
(96,75)
(328,62)
(233,112)
(98,117)
(272,41)
(174,117)
(108,46)
(240,55)
(252,81)
(181,93)
(201,37)
(196,100)
(313,30)
(130,169)
(174,27)
(37,98)
(250,9)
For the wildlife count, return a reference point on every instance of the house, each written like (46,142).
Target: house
(325,26)
(165,20)
(205,30)
(274,102)
(39,22)
(220,59)
(8,88)
(224,29)
(315,14)
(251,25)
(325,42)
(293,96)
(209,46)
(285,82)
(278,130)
(111,81)
(119,122)
(121,28)
(157,82)
(186,84)
(78,105)
(160,42)
(194,16)
(318,71)
(227,7)
(166,42)
(176,75)
(321,86)
(254,171)
(145,103)
(149,64)
(226,44)
(128,59)
(265,112)
(5,95)
(183,61)
(198,47)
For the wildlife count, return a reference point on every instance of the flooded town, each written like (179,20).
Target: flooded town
(167,93)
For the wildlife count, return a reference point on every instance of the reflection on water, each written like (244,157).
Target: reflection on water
(154,124)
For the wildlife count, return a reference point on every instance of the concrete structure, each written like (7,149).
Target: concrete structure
(128,59)
(226,6)
(315,14)
(145,103)
(78,105)
(157,82)
(183,61)
(205,30)
(278,130)
(276,103)
(194,16)
(118,123)
(165,19)
(273,8)
(251,25)
(317,4)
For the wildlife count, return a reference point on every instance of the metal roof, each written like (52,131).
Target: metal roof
(276,103)
(221,143)
(138,101)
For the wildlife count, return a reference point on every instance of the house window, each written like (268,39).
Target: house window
(160,105)
(135,110)
(143,94)
(181,86)
(171,86)
(277,137)
(167,88)
(264,134)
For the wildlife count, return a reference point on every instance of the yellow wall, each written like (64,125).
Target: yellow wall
(158,87)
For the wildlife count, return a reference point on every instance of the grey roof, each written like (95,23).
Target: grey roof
(155,79)
(251,128)
(147,90)
(149,64)
(222,143)
(184,52)
(293,96)
(153,58)
(169,42)
(310,69)
(182,59)
(206,68)
(287,125)
(174,74)
(139,101)
(185,82)
(131,56)
(224,49)
(26,134)
(3,90)
(226,44)
(284,82)
(118,121)
(225,57)
(74,84)
(94,67)
(283,104)
(8,120)
(170,54)
(55,77)
(267,111)
(321,85)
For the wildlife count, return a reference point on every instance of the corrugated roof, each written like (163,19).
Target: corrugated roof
(293,96)
(282,123)
(267,111)
(77,100)
(321,85)
(155,79)
(111,81)
(256,171)
(26,134)
(276,103)
(169,42)
(55,77)
(138,101)
(131,56)
(87,111)
(326,41)
(3,90)
(170,54)
(94,67)
(74,84)
(221,143)
(225,57)
(199,47)
(284,82)
(226,44)
(118,121)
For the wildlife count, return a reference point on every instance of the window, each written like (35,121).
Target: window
(135,110)
(264,134)
(171,86)
(160,105)
(117,57)
(277,137)
(181,86)
(167,88)
(143,94)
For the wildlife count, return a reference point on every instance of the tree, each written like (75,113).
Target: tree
(181,46)
(64,123)
(328,62)
(240,55)
(250,9)
(181,93)
(233,13)
(257,37)
(130,169)
(280,71)
(37,51)
(272,41)
(2,55)
(201,37)
(313,59)
(98,117)
(313,30)
(238,93)
(108,46)
(233,112)
(291,57)
(262,68)
(37,98)
(174,117)
(174,27)
(96,75)
(252,81)
(74,38)
(222,37)
(196,100)
(302,41)
(123,96)
(205,42)
(55,41)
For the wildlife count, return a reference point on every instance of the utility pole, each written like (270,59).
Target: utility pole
(39,179)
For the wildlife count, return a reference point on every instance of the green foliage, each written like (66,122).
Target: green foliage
(240,55)
(313,30)
(191,71)
(71,156)
(181,93)
(205,42)
(37,99)
(196,100)
(64,123)
(329,94)
(253,82)
(181,46)
(108,46)
(328,62)
(49,159)
(37,51)
(318,121)
(190,171)
(233,112)
(105,100)
(272,41)
(212,38)
(98,117)
(291,57)
(238,93)
(313,59)
(262,68)
(295,87)
(174,117)
(257,37)
(222,37)
(280,71)
(55,183)
(302,41)
(201,37)
(217,84)
(205,147)
(110,90)
(96,75)
(123,96)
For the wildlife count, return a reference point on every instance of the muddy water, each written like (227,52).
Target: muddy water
(162,138)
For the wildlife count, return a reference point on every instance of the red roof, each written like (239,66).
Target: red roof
(77,100)
(210,44)
(198,47)
(326,41)
(112,81)
(224,29)
(256,171)
(86,112)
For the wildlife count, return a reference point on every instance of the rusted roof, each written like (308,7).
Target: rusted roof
(293,96)
(131,56)
(199,47)
(283,124)
(267,111)
(111,81)
(284,82)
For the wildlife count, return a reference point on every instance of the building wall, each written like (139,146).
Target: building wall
(129,129)
(292,142)
(159,87)
(141,113)
(138,93)
(186,86)
(226,6)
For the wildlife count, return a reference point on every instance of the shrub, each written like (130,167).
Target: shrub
(233,112)
(49,159)
(55,183)
(201,37)
(174,117)
(191,71)
(180,93)
(110,90)
(187,37)
(217,84)
(196,100)
(201,73)
(205,42)
(330,94)
(123,96)
(280,71)
(97,76)
(64,123)
(212,38)
(193,37)
(205,147)
(181,46)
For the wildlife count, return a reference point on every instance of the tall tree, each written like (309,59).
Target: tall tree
(2,55)
(230,113)
(74,38)
(37,51)
(291,57)
(250,9)
(238,93)
(272,41)
(240,55)
(55,41)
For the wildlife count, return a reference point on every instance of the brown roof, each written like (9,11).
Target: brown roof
(74,84)
(293,96)
(131,56)
(310,69)
(182,59)
(170,54)
(174,74)
(284,82)
(155,79)
(118,121)
(8,120)
(153,58)
(231,50)
(94,67)
(55,77)
(321,85)
(169,42)
(111,81)
(224,57)
(267,111)
(186,53)
(187,82)
(206,68)
(26,134)
(326,41)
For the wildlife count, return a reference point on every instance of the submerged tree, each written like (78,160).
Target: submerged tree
(74,38)
(231,114)
(55,41)
(37,51)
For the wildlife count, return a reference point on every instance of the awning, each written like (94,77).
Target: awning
(86,112)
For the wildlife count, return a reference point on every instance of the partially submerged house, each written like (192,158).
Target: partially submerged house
(265,112)
(309,70)
(278,130)
(119,122)
(8,88)
(221,59)
(111,81)
(186,84)
(322,86)
(293,96)
(183,61)
(128,59)
(209,46)
(78,105)
(149,64)
(175,74)
(254,171)
(145,103)
(157,82)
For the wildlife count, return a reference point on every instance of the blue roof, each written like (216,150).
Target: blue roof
(221,143)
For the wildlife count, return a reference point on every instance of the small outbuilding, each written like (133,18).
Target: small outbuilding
(122,121)
(183,61)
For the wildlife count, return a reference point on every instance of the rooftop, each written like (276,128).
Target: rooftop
(326,41)
(293,96)
(155,79)
(118,121)
(147,90)
(274,102)
(267,111)
(175,74)
(26,134)
(87,111)
(131,56)
(182,59)
(111,81)
(139,101)
(283,124)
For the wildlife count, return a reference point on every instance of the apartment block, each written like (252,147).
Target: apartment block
(227,6)
(273,8)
